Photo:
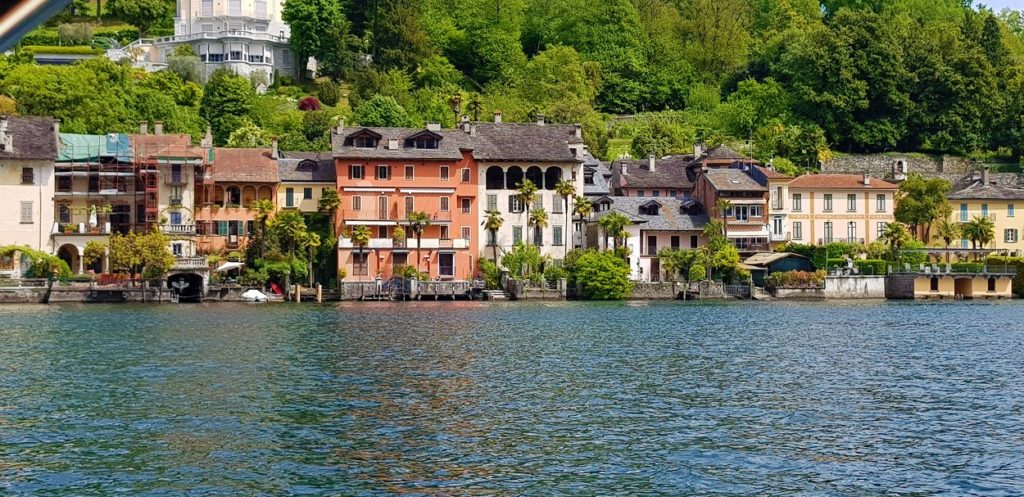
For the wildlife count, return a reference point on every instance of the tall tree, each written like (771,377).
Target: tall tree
(716,35)
(360,237)
(566,189)
(526,192)
(418,222)
(921,200)
(493,223)
(319,29)
(582,208)
(142,14)
(227,103)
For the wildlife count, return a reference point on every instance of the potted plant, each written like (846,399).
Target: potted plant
(69,229)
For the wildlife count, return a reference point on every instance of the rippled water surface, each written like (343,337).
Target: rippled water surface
(513,399)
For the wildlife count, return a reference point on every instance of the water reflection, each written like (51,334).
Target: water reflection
(470,398)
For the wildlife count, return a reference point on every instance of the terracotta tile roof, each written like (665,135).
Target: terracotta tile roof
(244,165)
(306,166)
(771,173)
(978,191)
(32,138)
(839,182)
(165,146)
(669,172)
(733,180)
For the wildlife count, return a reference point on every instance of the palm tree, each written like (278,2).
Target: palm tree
(360,237)
(566,189)
(492,224)
(329,203)
(475,106)
(311,241)
(456,104)
(583,208)
(895,235)
(614,225)
(263,210)
(538,219)
(723,205)
(527,194)
(980,231)
(418,221)
(947,232)
(290,227)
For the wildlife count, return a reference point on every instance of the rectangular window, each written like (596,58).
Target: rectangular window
(235,55)
(672,193)
(963,213)
(880,202)
(176,250)
(410,173)
(851,202)
(446,265)
(538,236)
(444,232)
(652,244)
(216,57)
(655,193)
(175,217)
(260,9)
(466,204)
(410,206)
(517,234)
(444,173)
(357,202)
(444,204)
(777,199)
(383,172)
(250,227)
(207,8)
(515,204)
(556,235)
(851,232)
(307,193)
(235,7)
(355,171)
(755,211)
(798,230)
(466,232)
(557,204)
(289,197)
(64,183)
(694,239)
(879,230)
(64,213)
(639,193)
(465,175)
(828,231)
(222,228)
(26,212)
(382,232)
(797,202)
(828,202)
(539,202)
(674,240)
(175,195)
(984,210)
(360,267)
(382,207)
(492,202)
(1010,235)
(1009,210)
(28,176)
(399,259)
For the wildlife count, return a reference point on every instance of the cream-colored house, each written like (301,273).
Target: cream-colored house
(28,148)
(304,178)
(825,208)
(998,203)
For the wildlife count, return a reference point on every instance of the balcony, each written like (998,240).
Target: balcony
(438,243)
(190,263)
(178,229)
(779,237)
(370,215)
(172,180)
(375,243)
(745,246)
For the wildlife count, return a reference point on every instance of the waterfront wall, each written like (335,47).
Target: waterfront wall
(854,287)
(666,290)
(798,293)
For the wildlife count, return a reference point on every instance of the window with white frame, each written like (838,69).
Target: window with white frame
(207,9)
(355,171)
(26,212)
(828,202)
(444,204)
(879,230)
(444,173)
(466,204)
(798,202)
(444,232)
(557,204)
(880,202)
(556,235)
(828,231)
(410,173)
(492,202)
(1010,235)
(357,202)
(466,232)
(798,230)
(851,202)
(383,172)
(851,231)
(465,175)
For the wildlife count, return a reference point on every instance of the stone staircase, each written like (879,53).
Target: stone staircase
(494,295)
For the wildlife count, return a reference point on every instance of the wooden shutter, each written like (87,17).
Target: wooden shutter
(26,212)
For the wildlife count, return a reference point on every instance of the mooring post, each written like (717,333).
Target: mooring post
(319,293)
(298,293)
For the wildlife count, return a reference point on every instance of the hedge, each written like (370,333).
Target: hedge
(967,267)
(836,262)
(123,33)
(871,266)
(41,37)
(79,50)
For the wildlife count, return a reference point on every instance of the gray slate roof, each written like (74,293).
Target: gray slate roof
(32,138)
(978,191)
(733,180)
(306,166)
(723,152)
(669,172)
(602,177)
(669,217)
(525,142)
(449,148)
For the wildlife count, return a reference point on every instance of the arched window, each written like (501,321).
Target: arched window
(265,193)
(234,195)
(218,195)
(535,175)
(513,177)
(551,177)
(248,195)
(495,178)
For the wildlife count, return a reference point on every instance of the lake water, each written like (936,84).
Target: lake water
(511,399)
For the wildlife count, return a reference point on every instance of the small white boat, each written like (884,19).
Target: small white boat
(253,295)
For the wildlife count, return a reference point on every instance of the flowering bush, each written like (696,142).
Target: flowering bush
(309,103)
(796,279)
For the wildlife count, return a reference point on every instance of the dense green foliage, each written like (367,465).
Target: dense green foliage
(602,276)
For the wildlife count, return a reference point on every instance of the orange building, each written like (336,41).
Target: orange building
(385,174)
(237,179)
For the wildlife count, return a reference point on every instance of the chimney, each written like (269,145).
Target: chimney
(340,128)
(867,180)
(208,139)
(392,143)
(6,139)
(624,173)
(273,149)
(158,127)
(984,176)
(650,162)
(433,127)
(497,117)
(540,118)
(698,150)
(465,123)
(472,130)
(56,132)
(143,128)
(578,129)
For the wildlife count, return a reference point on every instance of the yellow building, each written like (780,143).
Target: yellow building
(825,208)
(304,177)
(998,203)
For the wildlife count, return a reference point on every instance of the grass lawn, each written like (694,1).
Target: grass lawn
(617,147)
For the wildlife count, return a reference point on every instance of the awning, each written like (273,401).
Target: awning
(427,190)
(367,189)
(370,223)
(747,201)
(228,266)
(761,233)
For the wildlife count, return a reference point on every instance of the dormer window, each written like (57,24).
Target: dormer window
(650,208)
(364,142)
(424,140)
(588,177)
(363,138)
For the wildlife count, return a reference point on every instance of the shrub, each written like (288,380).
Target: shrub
(554,273)
(796,279)
(871,266)
(77,50)
(491,273)
(603,276)
(123,33)
(698,273)
(967,267)
(78,33)
(41,37)
(1018,279)
(329,93)
(835,262)
(8,107)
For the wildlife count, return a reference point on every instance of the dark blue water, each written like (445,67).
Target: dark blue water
(513,399)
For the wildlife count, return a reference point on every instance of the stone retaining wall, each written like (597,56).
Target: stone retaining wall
(798,293)
(855,287)
(666,290)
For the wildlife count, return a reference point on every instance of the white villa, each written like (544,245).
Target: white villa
(245,36)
